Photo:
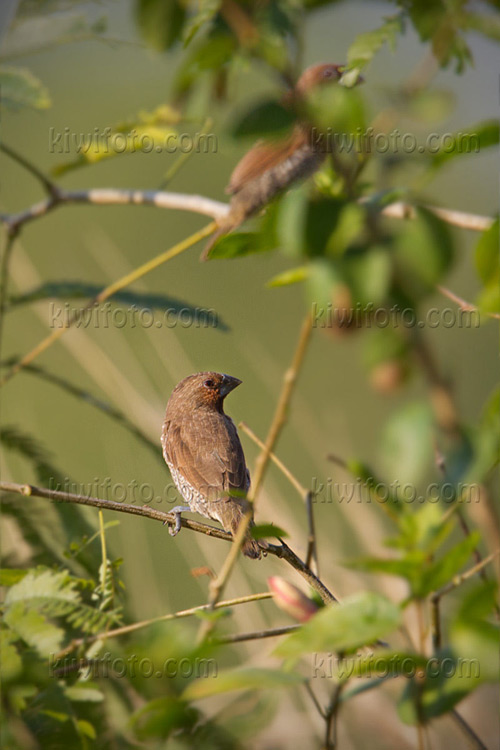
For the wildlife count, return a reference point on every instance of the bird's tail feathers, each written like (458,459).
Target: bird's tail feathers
(234,513)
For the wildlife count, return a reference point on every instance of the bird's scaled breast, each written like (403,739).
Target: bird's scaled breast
(298,165)
(196,501)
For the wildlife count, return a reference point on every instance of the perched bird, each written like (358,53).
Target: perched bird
(269,168)
(203,452)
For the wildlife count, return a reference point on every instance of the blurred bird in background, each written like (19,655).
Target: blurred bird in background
(203,452)
(269,168)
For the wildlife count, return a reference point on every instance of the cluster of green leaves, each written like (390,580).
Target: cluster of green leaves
(220,36)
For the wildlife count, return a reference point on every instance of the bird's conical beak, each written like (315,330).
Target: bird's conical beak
(228,384)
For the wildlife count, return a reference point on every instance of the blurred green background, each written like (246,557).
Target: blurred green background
(94,84)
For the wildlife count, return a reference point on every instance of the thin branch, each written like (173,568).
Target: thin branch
(119,197)
(459,579)
(4,279)
(279,419)
(108,292)
(312,694)
(197,203)
(256,635)
(467,730)
(126,629)
(282,551)
(331,717)
(316,583)
(274,458)
(312,546)
(461,219)
(47,184)
(280,415)
(476,551)
(306,495)
(463,304)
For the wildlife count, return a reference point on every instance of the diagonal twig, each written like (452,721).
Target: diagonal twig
(279,419)
(306,495)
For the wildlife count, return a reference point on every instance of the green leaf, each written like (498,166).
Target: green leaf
(405,568)
(160,22)
(339,113)
(358,620)
(10,661)
(210,54)
(426,250)
(487,254)
(42,586)
(488,300)
(244,678)
(238,245)
(323,283)
(473,141)
(264,119)
(445,682)
(20,88)
(489,25)
(292,276)
(148,132)
(86,729)
(474,635)
(368,274)
(264,530)
(348,228)
(207,9)
(406,445)
(421,529)
(55,594)
(381,664)
(441,23)
(34,628)
(9,576)
(161,716)
(440,572)
(366,45)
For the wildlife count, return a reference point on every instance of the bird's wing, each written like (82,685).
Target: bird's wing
(208,453)
(262,157)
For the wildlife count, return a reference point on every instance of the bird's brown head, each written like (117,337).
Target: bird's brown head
(202,390)
(318,75)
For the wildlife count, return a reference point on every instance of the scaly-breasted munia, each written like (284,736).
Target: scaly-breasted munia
(269,168)
(204,454)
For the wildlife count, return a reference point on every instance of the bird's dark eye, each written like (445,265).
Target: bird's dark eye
(209,383)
